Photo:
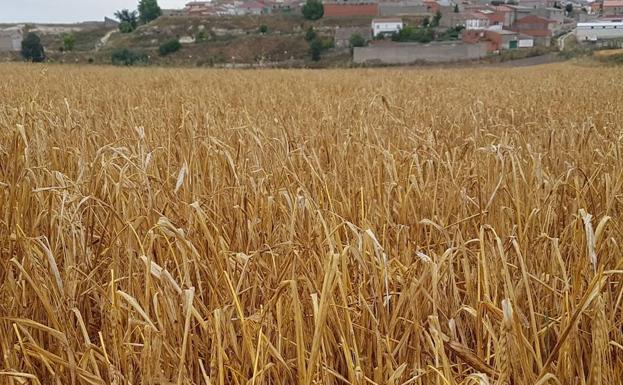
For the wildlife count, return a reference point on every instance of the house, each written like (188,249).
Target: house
(277,6)
(537,27)
(600,30)
(534,4)
(432,6)
(200,8)
(349,9)
(386,26)
(343,35)
(496,40)
(252,8)
(10,39)
(474,20)
(500,15)
(593,8)
(554,14)
(525,41)
(173,12)
(612,8)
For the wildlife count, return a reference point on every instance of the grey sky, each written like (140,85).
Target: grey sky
(63,11)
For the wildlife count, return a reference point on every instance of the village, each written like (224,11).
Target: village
(424,31)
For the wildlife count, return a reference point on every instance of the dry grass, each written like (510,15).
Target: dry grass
(334,227)
(608,53)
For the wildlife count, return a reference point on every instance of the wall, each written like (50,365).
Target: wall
(611,31)
(10,41)
(402,9)
(346,10)
(407,53)
(612,11)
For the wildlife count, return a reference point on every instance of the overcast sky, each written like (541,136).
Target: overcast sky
(64,11)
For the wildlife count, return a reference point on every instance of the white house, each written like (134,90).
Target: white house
(525,41)
(476,21)
(386,25)
(599,30)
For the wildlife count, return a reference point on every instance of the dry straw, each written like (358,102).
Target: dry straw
(290,227)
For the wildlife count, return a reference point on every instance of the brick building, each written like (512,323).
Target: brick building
(537,27)
(612,8)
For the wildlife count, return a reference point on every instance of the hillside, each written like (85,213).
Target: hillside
(233,39)
(209,41)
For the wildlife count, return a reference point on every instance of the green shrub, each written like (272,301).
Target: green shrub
(420,35)
(69,41)
(356,40)
(315,49)
(313,10)
(169,46)
(263,28)
(327,43)
(201,36)
(125,27)
(127,57)
(32,49)
(310,34)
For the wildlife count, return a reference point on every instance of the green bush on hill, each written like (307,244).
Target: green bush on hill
(69,42)
(310,34)
(128,57)
(128,20)
(169,46)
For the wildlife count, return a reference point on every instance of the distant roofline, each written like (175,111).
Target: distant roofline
(387,20)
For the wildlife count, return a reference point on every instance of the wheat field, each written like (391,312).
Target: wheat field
(451,226)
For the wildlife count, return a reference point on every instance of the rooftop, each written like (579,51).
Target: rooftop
(387,20)
(613,3)
(600,24)
(504,32)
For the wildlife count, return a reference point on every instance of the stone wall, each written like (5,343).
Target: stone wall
(407,53)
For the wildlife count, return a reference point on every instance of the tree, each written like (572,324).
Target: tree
(69,41)
(32,50)
(310,34)
(263,28)
(169,46)
(436,19)
(356,40)
(148,10)
(315,49)
(313,10)
(456,8)
(128,20)
(426,21)
(569,8)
